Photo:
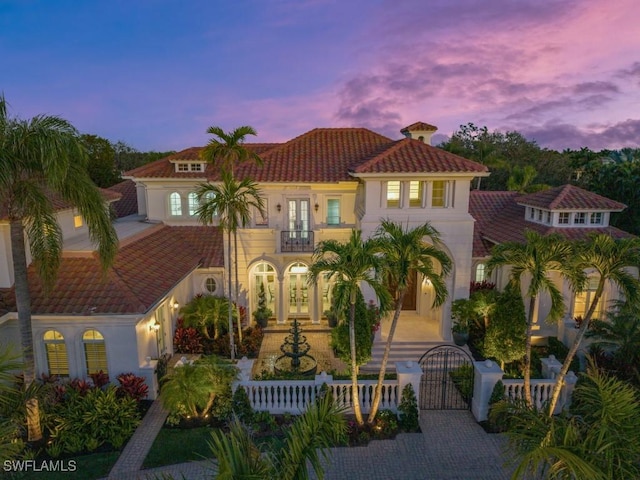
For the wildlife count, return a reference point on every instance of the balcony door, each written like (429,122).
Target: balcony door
(298,216)
(298,290)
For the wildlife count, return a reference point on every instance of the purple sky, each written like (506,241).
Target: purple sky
(157,73)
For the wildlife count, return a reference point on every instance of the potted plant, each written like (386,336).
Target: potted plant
(262,313)
(461,311)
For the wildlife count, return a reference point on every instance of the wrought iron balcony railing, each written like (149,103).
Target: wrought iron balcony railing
(296,241)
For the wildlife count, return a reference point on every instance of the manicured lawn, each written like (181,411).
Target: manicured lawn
(177,445)
(87,467)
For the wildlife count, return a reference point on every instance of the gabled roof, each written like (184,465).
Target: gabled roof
(419,127)
(414,156)
(500,217)
(570,197)
(128,202)
(145,269)
(325,155)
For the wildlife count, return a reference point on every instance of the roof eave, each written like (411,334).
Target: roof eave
(414,174)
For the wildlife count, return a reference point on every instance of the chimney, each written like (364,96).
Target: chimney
(420,131)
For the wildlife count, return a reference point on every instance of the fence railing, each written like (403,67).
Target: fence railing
(541,391)
(293,396)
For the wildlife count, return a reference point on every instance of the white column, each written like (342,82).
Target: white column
(486,375)
(409,373)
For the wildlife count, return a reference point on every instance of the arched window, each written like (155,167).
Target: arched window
(481,272)
(211,285)
(56,350)
(175,204)
(193,203)
(264,274)
(95,352)
(582,300)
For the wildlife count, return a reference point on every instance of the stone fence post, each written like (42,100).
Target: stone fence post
(409,373)
(245,366)
(550,367)
(486,375)
(149,371)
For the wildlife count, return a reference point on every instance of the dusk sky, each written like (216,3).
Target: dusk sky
(156,74)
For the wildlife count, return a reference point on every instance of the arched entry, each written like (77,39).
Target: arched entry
(447,379)
(264,274)
(298,290)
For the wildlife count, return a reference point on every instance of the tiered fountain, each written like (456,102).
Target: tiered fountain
(295,357)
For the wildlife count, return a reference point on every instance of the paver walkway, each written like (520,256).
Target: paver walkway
(452,446)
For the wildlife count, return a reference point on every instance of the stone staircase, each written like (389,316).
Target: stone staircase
(401,351)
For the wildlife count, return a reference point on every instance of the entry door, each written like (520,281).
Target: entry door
(298,216)
(410,295)
(298,294)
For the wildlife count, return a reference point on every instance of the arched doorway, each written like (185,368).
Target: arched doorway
(264,274)
(298,290)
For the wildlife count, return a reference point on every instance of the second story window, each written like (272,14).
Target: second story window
(416,194)
(596,218)
(564,218)
(333,211)
(393,194)
(439,194)
(175,204)
(579,218)
(193,203)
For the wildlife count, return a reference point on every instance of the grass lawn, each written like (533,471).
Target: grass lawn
(177,445)
(87,467)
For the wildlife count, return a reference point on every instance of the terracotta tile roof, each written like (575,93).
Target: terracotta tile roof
(144,271)
(500,217)
(128,202)
(326,155)
(414,156)
(570,197)
(418,127)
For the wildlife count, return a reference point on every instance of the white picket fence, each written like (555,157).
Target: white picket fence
(293,396)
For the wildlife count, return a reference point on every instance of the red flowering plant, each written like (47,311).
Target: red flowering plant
(373,315)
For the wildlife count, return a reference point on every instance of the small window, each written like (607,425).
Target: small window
(596,218)
(579,218)
(416,194)
(333,211)
(175,204)
(211,285)
(77,221)
(549,218)
(56,351)
(262,219)
(393,194)
(95,352)
(532,213)
(183,167)
(481,272)
(193,203)
(582,300)
(539,215)
(564,218)
(438,194)
(196,167)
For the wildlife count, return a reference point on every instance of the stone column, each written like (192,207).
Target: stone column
(550,367)
(409,373)
(486,375)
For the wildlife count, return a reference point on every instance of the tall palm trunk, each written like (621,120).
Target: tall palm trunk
(385,358)
(237,292)
(527,354)
(231,340)
(23,302)
(355,396)
(574,348)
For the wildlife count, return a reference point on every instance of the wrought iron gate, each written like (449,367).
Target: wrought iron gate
(447,379)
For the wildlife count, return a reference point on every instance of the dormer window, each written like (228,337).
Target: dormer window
(564,218)
(596,218)
(189,167)
(579,218)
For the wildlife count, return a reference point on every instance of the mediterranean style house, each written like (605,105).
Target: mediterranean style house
(317,186)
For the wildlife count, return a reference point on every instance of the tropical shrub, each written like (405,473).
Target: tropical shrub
(386,424)
(241,406)
(364,326)
(251,342)
(100,379)
(408,410)
(208,314)
(505,337)
(191,389)
(187,339)
(133,386)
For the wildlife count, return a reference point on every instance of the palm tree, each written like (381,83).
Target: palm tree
(350,264)
(9,365)
(43,158)
(231,202)
(204,312)
(610,259)
(405,252)
(225,151)
(536,258)
(320,427)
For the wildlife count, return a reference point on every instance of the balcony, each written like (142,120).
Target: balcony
(296,241)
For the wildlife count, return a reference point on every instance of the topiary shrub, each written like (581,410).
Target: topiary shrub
(408,410)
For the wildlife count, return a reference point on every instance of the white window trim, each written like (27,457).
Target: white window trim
(385,195)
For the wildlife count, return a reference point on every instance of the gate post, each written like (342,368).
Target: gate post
(408,372)
(486,376)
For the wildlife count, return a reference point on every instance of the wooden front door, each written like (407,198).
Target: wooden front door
(409,302)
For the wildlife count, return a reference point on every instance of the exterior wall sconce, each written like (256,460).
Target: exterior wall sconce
(316,207)
(175,305)
(426,282)
(155,327)
(278,207)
